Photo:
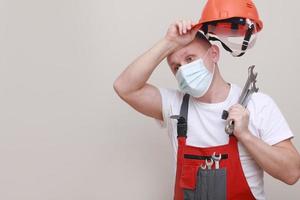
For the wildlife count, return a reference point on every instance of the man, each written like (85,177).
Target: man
(263,135)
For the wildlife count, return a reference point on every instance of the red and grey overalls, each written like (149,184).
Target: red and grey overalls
(195,183)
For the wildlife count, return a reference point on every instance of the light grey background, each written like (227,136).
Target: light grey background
(64,133)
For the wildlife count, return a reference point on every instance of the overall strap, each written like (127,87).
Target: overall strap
(184,109)
(182,117)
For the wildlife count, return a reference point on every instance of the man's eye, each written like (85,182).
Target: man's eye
(176,67)
(189,59)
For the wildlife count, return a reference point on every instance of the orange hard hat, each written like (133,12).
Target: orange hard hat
(230,18)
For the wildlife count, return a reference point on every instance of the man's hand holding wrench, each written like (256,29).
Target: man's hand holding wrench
(238,115)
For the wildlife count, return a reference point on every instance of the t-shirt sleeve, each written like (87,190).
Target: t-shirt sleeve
(167,96)
(272,124)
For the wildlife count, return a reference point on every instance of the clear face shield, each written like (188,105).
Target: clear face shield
(236,35)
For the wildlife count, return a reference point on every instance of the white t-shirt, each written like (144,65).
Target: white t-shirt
(206,127)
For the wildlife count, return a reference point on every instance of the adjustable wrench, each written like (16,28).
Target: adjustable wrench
(247,91)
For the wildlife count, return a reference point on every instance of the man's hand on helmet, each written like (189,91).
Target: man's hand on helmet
(181,32)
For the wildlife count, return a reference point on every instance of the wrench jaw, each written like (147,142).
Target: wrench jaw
(229,127)
(251,73)
(203,166)
(252,76)
(217,159)
(209,164)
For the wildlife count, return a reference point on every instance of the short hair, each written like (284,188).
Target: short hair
(200,36)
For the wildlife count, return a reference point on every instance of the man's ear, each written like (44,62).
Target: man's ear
(215,53)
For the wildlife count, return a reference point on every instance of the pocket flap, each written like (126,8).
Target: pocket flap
(188,176)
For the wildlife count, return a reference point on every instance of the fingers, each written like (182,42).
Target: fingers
(237,110)
(189,25)
(240,116)
(184,26)
(236,107)
(179,25)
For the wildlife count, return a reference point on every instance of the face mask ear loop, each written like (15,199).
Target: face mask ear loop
(214,69)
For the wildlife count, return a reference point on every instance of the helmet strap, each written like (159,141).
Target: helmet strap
(245,45)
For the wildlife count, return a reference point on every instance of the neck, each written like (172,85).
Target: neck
(218,90)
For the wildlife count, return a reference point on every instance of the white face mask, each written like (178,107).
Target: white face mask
(194,78)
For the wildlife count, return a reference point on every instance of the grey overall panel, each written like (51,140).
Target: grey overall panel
(210,185)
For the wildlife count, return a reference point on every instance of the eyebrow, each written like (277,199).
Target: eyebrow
(185,55)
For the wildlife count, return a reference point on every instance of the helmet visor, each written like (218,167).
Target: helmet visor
(237,37)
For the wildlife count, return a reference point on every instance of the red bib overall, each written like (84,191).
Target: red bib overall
(195,183)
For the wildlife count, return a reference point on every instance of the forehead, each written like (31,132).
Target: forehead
(192,48)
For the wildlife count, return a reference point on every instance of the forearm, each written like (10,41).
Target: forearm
(281,163)
(138,72)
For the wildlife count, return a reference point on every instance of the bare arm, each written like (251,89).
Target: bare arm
(282,161)
(132,84)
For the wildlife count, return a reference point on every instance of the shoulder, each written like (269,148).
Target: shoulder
(257,101)
(258,98)
(171,100)
(170,96)
(268,119)
(261,101)
(261,97)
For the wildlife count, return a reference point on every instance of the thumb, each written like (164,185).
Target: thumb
(195,30)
